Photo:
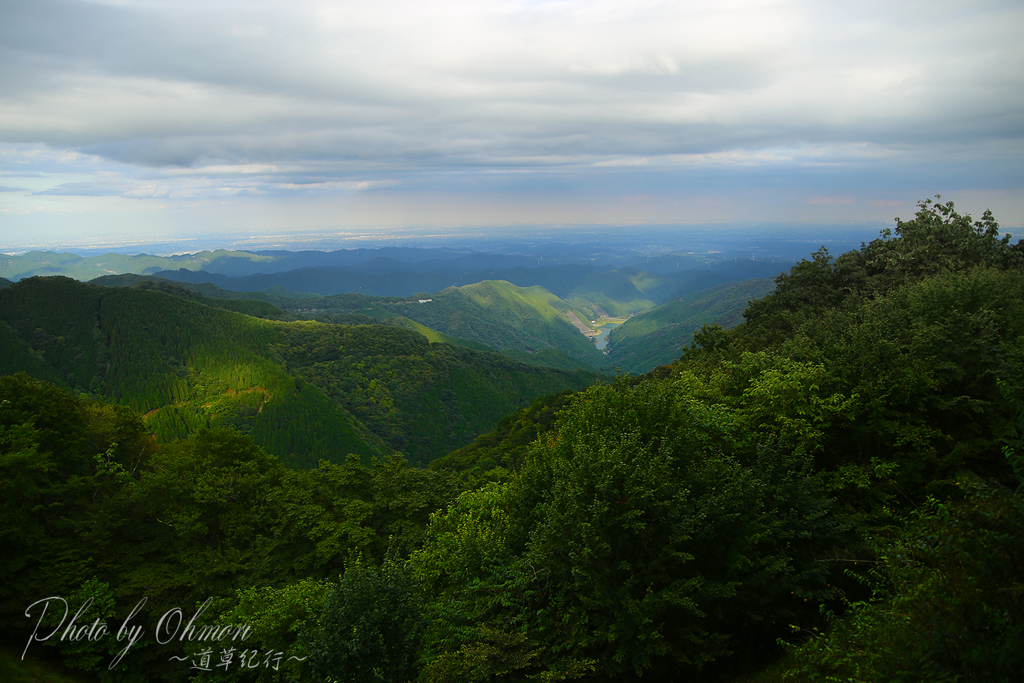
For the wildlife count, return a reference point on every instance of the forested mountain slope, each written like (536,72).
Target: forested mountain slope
(422,399)
(322,281)
(869,412)
(832,490)
(658,336)
(618,293)
(276,296)
(495,313)
(186,364)
(257,305)
(526,336)
(44,263)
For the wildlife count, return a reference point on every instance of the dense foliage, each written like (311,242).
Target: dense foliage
(830,491)
(303,391)
(92,507)
(947,599)
(423,399)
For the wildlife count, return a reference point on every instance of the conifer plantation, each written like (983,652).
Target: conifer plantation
(831,490)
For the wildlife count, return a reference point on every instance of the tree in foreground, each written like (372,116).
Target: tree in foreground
(368,628)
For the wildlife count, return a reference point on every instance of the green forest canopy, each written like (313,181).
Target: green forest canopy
(304,391)
(841,472)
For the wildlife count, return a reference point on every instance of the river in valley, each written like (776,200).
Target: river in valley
(602,332)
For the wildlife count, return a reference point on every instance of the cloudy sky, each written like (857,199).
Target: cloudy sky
(149,119)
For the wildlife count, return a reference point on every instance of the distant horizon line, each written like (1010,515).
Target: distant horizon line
(471,237)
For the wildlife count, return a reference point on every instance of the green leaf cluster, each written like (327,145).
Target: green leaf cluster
(92,506)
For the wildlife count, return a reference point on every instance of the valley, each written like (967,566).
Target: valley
(304,391)
(452,483)
(526,312)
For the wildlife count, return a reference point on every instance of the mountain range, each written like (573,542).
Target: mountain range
(303,390)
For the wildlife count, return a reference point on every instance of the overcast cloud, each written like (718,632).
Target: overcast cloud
(141,116)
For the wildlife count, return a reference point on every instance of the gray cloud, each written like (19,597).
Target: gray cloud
(469,95)
(392,82)
(83,189)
